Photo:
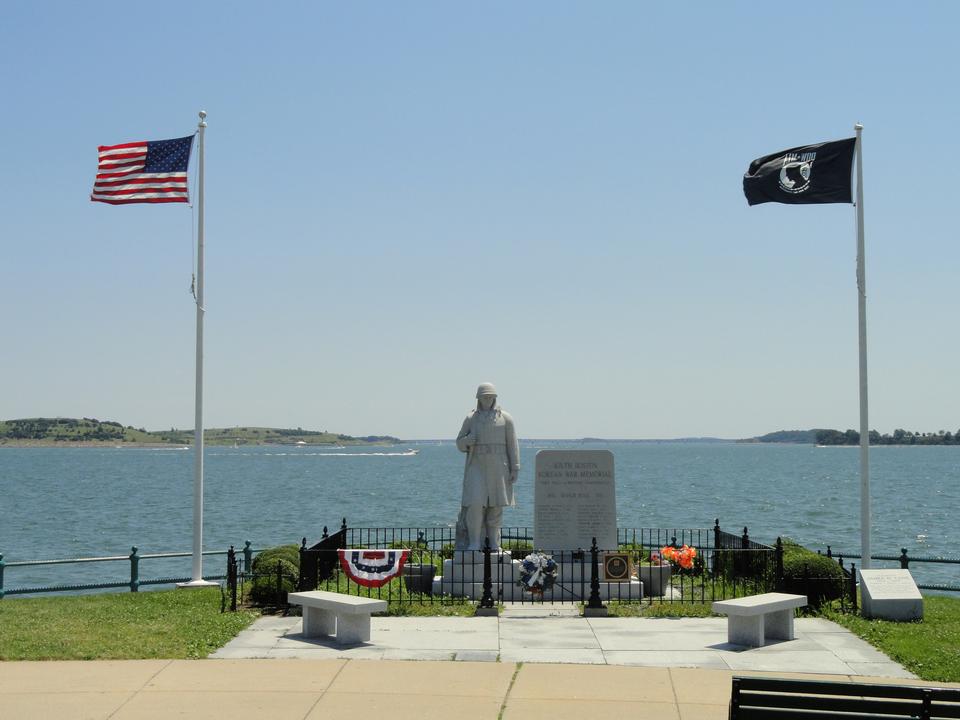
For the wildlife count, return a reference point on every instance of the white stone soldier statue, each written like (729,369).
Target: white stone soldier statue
(489,439)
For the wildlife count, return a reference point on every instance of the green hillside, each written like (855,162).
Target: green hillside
(786,436)
(72,430)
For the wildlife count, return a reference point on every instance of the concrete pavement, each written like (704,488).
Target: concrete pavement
(513,667)
(556,634)
(398,689)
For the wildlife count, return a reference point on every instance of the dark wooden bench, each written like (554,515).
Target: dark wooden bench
(774,698)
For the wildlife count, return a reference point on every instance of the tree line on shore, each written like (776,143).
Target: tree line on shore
(67,430)
(898,437)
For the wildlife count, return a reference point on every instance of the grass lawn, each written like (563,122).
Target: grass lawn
(930,648)
(156,624)
(658,609)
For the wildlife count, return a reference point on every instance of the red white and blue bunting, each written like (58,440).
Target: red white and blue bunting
(372,568)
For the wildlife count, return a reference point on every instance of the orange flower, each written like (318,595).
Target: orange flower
(682,556)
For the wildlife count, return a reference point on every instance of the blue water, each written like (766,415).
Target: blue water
(83,502)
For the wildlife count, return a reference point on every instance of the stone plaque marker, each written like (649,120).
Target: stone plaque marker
(574,499)
(890,594)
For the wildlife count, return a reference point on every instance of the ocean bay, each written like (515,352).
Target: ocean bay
(64,502)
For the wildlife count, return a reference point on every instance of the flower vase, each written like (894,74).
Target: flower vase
(655,578)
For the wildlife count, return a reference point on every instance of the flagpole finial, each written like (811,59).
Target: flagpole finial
(203,118)
(858,127)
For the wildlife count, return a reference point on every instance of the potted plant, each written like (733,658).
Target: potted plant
(655,575)
(418,577)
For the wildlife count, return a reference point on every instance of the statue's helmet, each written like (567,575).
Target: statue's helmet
(486,389)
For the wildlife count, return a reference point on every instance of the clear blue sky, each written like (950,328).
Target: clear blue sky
(404,200)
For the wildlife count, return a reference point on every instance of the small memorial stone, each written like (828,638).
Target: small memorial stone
(890,595)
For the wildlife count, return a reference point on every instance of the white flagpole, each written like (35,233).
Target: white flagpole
(864,425)
(197,574)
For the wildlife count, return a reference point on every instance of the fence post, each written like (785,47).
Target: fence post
(853,585)
(134,570)
(843,574)
(746,539)
(716,533)
(829,552)
(247,557)
(595,607)
(778,555)
(232,577)
(486,606)
(279,581)
(2,565)
(904,560)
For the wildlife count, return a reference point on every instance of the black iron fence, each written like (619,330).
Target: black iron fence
(675,565)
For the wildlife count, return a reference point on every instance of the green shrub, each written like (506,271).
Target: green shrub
(289,553)
(264,589)
(636,549)
(817,576)
(518,549)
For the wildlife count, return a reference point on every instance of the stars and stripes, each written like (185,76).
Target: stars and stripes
(153,171)
(372,568)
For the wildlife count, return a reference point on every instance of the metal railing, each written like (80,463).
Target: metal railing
(904,559)
(134,583)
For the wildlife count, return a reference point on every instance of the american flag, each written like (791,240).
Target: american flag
(153,171)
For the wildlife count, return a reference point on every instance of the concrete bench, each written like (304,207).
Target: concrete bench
(346,616)
(754,619)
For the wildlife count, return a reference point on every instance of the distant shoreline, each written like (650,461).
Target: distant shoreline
(85,443)
(119,445)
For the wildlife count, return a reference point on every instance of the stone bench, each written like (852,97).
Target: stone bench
(346,616)
(754,619)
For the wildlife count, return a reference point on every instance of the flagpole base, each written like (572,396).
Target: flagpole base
(201,583)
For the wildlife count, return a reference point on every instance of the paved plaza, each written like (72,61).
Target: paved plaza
(527,664)
(556,634)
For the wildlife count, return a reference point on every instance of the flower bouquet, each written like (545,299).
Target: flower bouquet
(538,573)
(679,557)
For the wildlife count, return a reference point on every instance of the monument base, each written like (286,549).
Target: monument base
(463,577)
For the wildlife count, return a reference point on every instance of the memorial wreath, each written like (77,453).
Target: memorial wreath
(538,573)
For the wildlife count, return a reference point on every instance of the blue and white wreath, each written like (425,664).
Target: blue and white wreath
(538,573)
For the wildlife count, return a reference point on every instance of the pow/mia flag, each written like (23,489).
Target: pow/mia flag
(802,175)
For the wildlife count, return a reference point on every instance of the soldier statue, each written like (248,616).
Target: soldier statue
(489,439)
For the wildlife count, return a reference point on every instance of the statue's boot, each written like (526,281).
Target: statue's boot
(492,519)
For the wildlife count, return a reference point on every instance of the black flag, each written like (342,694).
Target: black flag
(802,175)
